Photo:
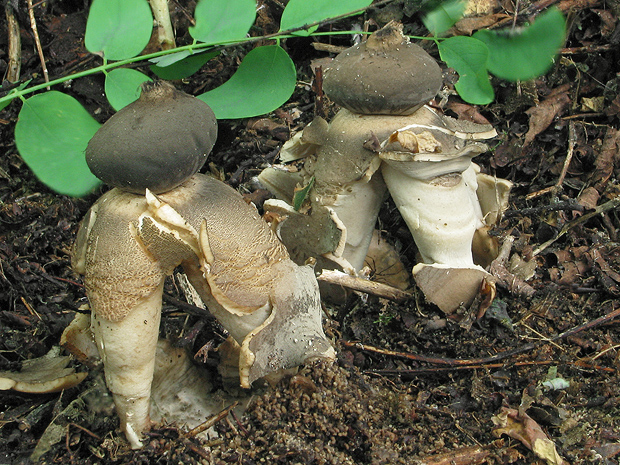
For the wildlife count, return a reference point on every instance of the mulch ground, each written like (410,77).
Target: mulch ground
(540,369)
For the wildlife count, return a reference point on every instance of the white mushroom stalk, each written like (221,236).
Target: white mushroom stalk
(135,236)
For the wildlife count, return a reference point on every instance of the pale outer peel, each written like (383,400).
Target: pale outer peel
(347,179)
(248,281)
(449,287)
(293,331)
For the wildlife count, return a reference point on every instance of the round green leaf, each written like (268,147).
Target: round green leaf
(122,86)
(51,135)
(299,13)
(468,57)
(529,52)
(223,21)
(264,81)
(118,29)
(186,66)
(444,16)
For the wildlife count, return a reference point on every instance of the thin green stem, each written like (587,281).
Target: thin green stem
(192,48)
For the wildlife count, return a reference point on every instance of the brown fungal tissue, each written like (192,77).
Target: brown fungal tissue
(160,215)
(385,140)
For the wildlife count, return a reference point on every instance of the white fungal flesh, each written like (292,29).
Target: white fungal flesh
(442,216)
(365,196)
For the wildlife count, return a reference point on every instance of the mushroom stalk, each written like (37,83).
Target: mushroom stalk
(429,173)
(441,214)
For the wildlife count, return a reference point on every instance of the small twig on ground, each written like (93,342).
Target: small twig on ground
(239,424)
(609,205)
(569,205)
(211,421)
(588,49)
(90,433)
(37,41)
(14,64)
(189,308)
(583,365)
(470,455)
(572,141)
(31,310)
(504,277)
(363,285)
(454,362)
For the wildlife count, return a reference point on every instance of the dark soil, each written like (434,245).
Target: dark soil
(410,385)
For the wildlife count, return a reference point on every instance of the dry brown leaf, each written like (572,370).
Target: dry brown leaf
(608,19)
(468,26)
(589,198)
(519,425)
(613,108)
(604,164)
(542,115)
(608,277)
(467,112)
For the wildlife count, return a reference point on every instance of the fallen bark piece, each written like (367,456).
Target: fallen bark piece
(363,285)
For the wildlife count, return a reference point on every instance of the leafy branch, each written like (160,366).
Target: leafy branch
(53,128)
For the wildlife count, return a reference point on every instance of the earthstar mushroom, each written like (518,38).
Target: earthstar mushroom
(386,139)
(133,237)
(347,181)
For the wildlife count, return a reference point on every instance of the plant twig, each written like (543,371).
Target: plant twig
(212,420)
(37,41)
(568,205)
(572,140)
(609,205)
(165,33)
(505,278)
(420,371)
(363,285)
(15,45)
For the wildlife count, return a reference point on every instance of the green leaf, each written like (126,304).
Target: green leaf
(444,16)
(223,21)
(529,52)
(183,68)
(118,29)
(468,56)
(51,135)
(301,194)
(264,81)
(172,58)
(122,86)
(299,13)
